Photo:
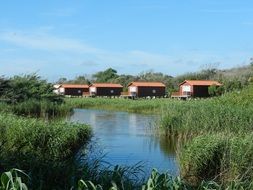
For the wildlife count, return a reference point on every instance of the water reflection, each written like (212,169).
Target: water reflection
(127,138)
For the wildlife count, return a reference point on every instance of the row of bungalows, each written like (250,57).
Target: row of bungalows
(135,89)
(187,89)
(194,88)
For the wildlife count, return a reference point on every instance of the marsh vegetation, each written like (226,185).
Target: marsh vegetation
(214,138)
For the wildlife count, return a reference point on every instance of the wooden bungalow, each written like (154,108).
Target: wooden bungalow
(145,89)
(105,89)
(194,88)
(73,89)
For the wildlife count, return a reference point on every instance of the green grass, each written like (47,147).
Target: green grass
(45,150)
(36,108)
(119,104)
(223,158)
(215,136)
(230,113)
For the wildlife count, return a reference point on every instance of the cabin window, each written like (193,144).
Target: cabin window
(112,91)
(133,89)
(154,91)
(79,91)
(186,88)
(93,89)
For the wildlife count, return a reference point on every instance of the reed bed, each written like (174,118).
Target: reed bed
(41,108)
(223,158)
(44,150)
(229,113)
(215,138)
(195,118)
(119,104)
(36,108)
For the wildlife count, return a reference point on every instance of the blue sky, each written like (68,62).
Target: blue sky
(68,38)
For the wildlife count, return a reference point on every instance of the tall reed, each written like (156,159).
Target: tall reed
(45,150)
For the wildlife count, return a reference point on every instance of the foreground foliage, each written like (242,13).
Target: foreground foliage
(45,150)
(163,181)
(11,180)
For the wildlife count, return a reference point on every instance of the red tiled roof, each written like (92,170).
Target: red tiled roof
(201,82)
(75,86)
(147,84)
(109,85)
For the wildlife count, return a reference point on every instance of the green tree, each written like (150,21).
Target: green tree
(62,80)
(106,76)
(212,90)
(4,86)
(22,88)
(81,80)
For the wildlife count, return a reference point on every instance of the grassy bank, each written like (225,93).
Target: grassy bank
(199,117)
(223,158)
(229,113)
(35,108)
(119,104)
(44,150)
(216,137)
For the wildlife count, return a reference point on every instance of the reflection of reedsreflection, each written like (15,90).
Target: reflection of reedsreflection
(93,118)
(167,145)
(132,119)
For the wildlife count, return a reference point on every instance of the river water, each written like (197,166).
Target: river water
(127,138)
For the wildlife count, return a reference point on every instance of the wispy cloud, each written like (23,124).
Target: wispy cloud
(13,66)
(70,57)
(44,41)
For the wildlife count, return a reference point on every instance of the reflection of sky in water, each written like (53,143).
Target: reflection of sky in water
(126,139)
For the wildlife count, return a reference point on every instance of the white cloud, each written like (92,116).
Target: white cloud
(67,56)
(43,41)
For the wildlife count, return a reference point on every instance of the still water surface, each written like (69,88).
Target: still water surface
(127,138)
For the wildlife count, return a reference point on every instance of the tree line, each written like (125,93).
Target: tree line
(23,87)
(232,79)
